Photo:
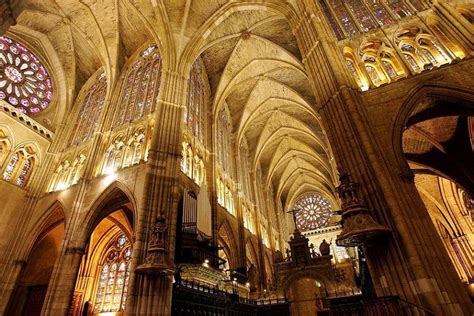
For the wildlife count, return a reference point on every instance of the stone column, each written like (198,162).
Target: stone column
(412,263)
(151,283)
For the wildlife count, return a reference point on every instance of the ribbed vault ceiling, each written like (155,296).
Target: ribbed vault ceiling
(251,57)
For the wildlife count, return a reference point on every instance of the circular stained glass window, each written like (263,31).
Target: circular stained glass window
(312,211)
(24,81)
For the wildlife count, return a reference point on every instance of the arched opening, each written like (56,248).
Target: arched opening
(29,294)
(103,277)
(227,248)
(437,145)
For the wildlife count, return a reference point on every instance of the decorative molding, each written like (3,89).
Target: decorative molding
(26,120)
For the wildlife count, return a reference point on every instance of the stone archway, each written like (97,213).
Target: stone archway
(306,291)
(29,294)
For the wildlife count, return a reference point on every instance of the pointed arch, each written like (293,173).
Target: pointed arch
(431,92)
(54,215)
(225,234)
(117,195)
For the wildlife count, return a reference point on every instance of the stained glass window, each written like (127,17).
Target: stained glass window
(8,173)
(195,105)
(399,8)
(24,81)
(355,16)
(25,171)
(358,9)
(248,219)
(380,12)
(90,111)
(312,212)
(20,166)
(245,168)
(137,154)
(224,146)
(331,20)
(140,86)
(114,275)
(344,17)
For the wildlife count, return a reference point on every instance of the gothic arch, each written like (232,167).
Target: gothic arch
(41,249)
(54,215)
(225,234)
(250,252)
(115,196)
(285,282)
(430,92)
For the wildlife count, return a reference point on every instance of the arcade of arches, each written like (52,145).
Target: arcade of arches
(273,156)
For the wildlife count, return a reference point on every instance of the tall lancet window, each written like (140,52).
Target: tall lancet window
(91,108)
(112,287)
(351,17)
(245,169)
(195,106)
(224,141)
(140,86)
(20,166)
(225,160)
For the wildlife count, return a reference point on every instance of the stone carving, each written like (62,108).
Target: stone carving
(156,261)
(324,248)
(358,226)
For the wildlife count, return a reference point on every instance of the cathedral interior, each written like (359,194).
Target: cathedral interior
(236,157)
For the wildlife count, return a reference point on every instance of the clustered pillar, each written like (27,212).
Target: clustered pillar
(413,263)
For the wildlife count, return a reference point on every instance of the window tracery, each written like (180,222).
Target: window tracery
(192,164)
(24,81)
(91,108)
(224,142)
(312,211)
(245,169)
(4,146)
(112,287)
(114,155)
(421,49)
(248,219)
(380,62)
(196,101)
(140,87)
(349,18)
(224,161)
(67,174)
(354,68)
(20,166)
(124,153)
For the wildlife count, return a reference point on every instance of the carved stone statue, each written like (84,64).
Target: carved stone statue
(324,248)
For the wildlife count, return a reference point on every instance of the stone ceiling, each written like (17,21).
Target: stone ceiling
(251,57)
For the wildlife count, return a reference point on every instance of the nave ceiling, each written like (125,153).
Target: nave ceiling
(251,58)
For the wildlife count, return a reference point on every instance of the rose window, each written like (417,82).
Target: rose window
(24,81)
(312,212)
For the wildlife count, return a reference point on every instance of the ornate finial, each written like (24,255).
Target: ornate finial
(358,226)
(156,261)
